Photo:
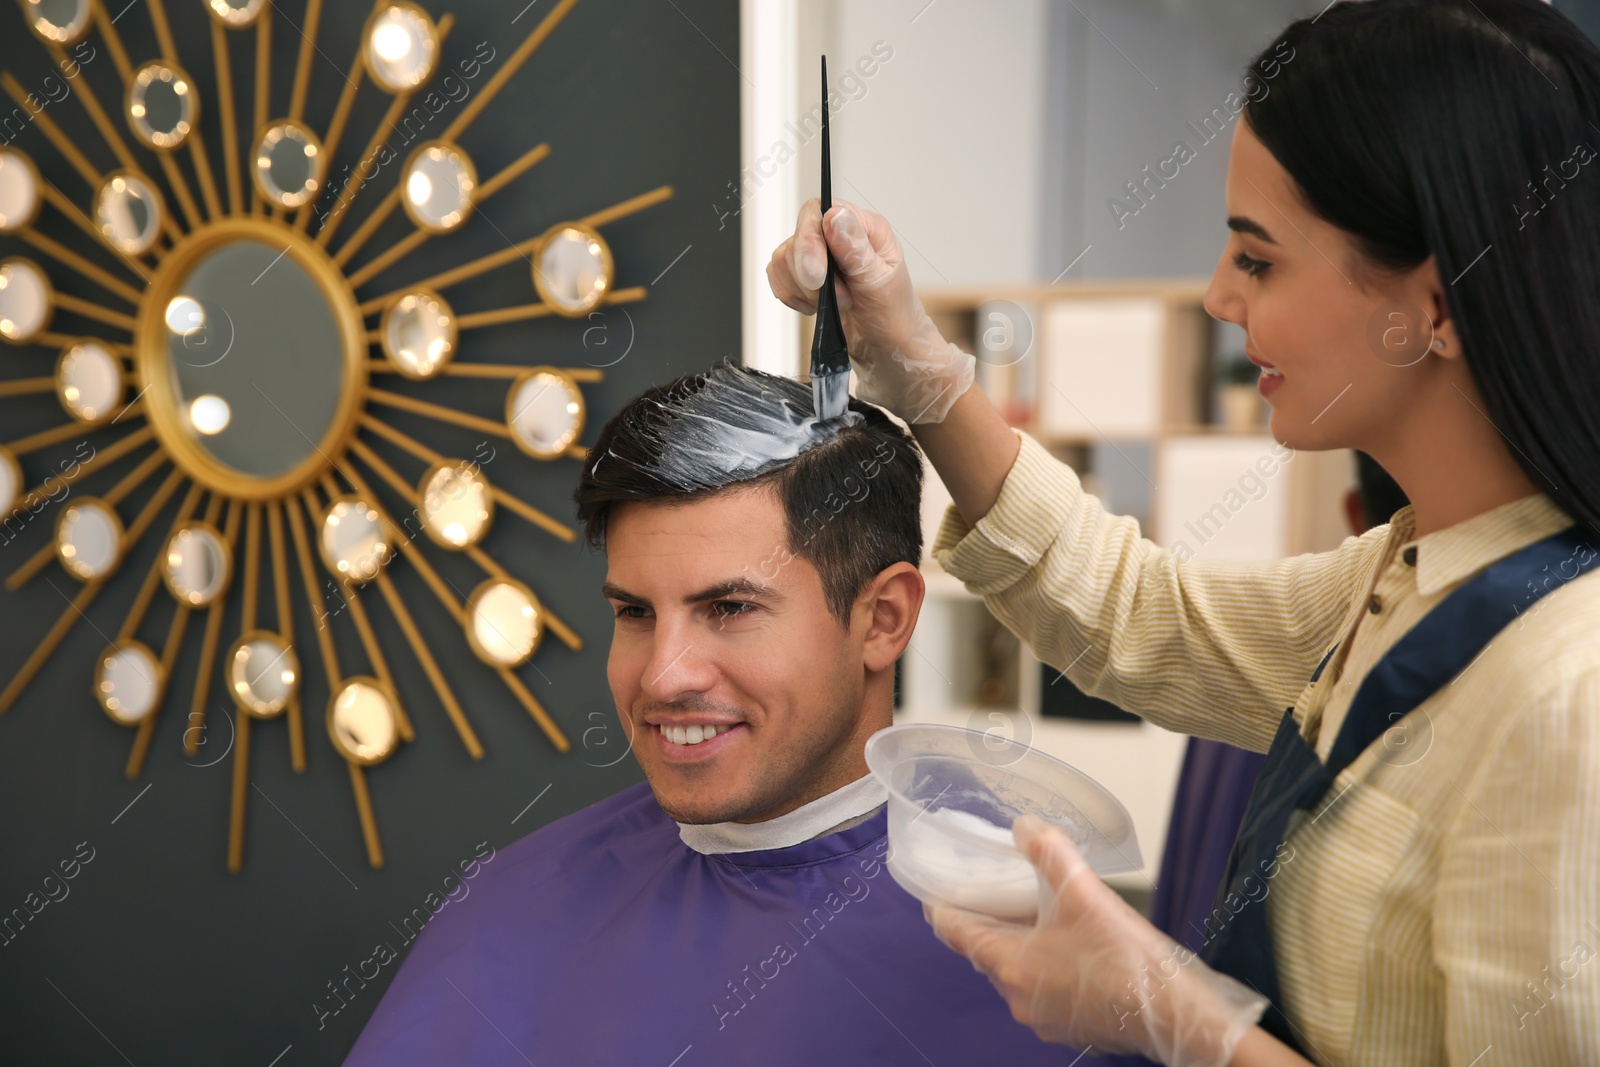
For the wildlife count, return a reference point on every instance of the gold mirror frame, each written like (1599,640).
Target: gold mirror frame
(388,316)
(366,44)
(319,165)
(61,548)
(227,565)
(248,638)
(16,155)
(49,302)
(161,142)
(388,693)
(122,645)
(422,498)
(160,210)
(608,268)
(574,392)
(539,625)
(155,376)
(67,36)
(411,210)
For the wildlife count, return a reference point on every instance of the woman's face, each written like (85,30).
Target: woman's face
(1350,344)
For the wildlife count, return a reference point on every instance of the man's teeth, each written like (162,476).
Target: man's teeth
(692,735)
(1272,372)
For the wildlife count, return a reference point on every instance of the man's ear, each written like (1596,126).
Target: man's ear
(890,604)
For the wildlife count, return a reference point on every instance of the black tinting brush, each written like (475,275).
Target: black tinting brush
(830,359)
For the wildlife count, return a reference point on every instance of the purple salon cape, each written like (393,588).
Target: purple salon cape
(603,939)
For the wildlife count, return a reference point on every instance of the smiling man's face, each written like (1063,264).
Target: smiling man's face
(719,627)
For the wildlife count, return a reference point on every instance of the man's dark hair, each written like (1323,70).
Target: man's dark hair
(851,489)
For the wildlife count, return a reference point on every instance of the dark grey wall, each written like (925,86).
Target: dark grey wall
(156,955)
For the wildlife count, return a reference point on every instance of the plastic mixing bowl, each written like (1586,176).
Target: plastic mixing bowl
(953,795)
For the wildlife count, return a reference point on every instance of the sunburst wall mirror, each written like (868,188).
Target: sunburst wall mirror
(242,365)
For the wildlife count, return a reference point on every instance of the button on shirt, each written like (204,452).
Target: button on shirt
(1445,906)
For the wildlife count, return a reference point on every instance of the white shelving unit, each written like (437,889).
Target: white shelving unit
(1120,364)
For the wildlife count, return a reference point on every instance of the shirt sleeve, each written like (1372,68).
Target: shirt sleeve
(1213,649)
(1516,926)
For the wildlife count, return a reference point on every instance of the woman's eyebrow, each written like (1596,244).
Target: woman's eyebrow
(1244,224)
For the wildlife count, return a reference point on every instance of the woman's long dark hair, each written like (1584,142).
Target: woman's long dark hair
(1469,130)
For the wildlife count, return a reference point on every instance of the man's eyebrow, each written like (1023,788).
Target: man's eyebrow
(741,586)
(1243,224)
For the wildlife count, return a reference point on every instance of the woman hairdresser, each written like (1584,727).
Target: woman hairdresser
(1415,257)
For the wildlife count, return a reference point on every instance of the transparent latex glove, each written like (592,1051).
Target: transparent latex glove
(1091,971)
(901,361)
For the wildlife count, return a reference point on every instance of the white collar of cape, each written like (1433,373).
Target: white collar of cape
(840,809)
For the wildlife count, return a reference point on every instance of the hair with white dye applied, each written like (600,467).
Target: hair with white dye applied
(851,488)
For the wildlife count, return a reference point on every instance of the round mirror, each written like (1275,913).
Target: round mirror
(58,21)
(19,191)
(354,541)
(419,333)
(361,721)
(89,381)
(127,210)
(263,674)
(89,539)
(572,269)
(503,622)
(252,357)
(457,505)
(128,682)
(438,181)
(162,105)
(289,163)
(236,14)
(399,46)
(10,482)
(26,300)
(197,564)
(544,410)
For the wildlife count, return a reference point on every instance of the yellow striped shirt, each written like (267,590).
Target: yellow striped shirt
(1444,905)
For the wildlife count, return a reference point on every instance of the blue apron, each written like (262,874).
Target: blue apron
(1294,780)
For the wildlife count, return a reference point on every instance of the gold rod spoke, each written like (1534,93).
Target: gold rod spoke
(180,187)
(263,93)
(52,339)
(110,454)
(66,207)
(380,666)
(280,588)
(97,114)
(27,386)
(90,310)
(240,792)
(523,249)
(152,578)
(486,370)
(41,653)
(430,667)
(147,725)
(202,167)
(440,588)
(302,65)
(529,45)
(485,561)
(61,253)
(308,575)
(158,19)
(501,496)
(557,737)
(200,698)
(364,232)
(252,567)
(134,478)
(438,411)
(330,143)
(230,127)
(108,30)
(53,436)
(414,240)
(520,313)
(358,178)
(48,127)
(369,823)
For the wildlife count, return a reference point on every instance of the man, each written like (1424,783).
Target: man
(735,908)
